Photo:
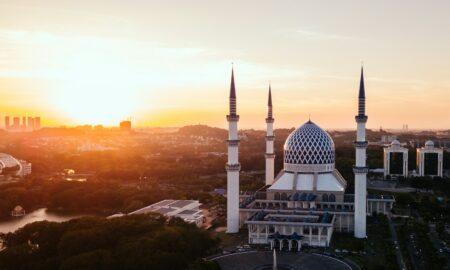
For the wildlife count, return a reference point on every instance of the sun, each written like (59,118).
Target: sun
(94,105)
(92,97)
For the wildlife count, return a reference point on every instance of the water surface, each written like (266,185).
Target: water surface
(15,223)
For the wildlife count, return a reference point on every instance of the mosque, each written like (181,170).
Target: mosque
(306,201)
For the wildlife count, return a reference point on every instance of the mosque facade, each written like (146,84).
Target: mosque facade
(306,201)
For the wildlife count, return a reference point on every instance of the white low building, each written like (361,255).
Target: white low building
(430,160)
(395,160)
(188,210)
(26,168)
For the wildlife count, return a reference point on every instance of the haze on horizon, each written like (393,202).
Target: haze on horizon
(167,63)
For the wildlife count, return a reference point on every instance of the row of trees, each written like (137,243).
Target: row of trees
(96,196)
(438,184)
(125,243)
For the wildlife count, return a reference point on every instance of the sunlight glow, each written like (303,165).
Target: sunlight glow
(92,62)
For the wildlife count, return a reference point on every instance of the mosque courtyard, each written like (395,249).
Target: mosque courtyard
(260,260)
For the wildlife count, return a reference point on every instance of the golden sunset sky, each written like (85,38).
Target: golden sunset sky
(168,63)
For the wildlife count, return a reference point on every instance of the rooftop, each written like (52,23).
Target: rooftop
(185,209)
(295,217)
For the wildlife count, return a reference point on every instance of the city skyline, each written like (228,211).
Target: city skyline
(99,63)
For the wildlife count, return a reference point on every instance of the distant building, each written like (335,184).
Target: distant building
(388,138)
(27,124)
(7,122)
(16,123)
(395,160)
(99,127)
(188,210)
(26,168)
(125,125)
(12,166)
(30,126)
(94,147)
(84,128)
(37,123)
(430,160)
(18,211)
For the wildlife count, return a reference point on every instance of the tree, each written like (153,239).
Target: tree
(131,242)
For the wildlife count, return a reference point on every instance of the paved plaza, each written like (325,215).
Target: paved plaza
(293,261)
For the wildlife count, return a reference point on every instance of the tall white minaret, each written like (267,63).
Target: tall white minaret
(233,165)
(270,155)
(360,169)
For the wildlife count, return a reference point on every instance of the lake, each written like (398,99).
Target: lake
(41,214)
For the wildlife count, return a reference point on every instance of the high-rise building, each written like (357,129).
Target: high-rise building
(7,122)
(125,125)
(30,126)
(16,123)
(24,123)
(395,160)
(37,123)
(430,160)
(27,123)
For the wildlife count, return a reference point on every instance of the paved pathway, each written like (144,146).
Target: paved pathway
(398,252)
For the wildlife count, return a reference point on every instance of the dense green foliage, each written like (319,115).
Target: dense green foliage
(126,243)
(429,206)
(377,248)
(96,196)
(436,184)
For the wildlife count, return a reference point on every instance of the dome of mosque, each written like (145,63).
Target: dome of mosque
(309,149)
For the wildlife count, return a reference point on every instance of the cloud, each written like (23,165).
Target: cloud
(45,54)
(314,35)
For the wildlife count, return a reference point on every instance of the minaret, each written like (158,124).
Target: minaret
(233,165)
(270,156)
(360,168)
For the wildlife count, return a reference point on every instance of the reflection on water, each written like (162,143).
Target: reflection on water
(41,214)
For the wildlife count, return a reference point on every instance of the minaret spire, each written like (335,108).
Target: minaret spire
(360,169)
(270,156)
(269,104)
(361,84)
(232,166)
(362,95)
(232,94)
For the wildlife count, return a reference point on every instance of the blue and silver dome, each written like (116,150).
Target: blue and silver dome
(309,149)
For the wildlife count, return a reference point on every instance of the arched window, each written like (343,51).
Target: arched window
(277,196)
(283,196)
(325,198)
(332,198)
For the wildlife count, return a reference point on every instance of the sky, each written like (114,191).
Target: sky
(168,63)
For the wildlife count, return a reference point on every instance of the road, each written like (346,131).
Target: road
(437,244)
(398,252)
(416,261)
